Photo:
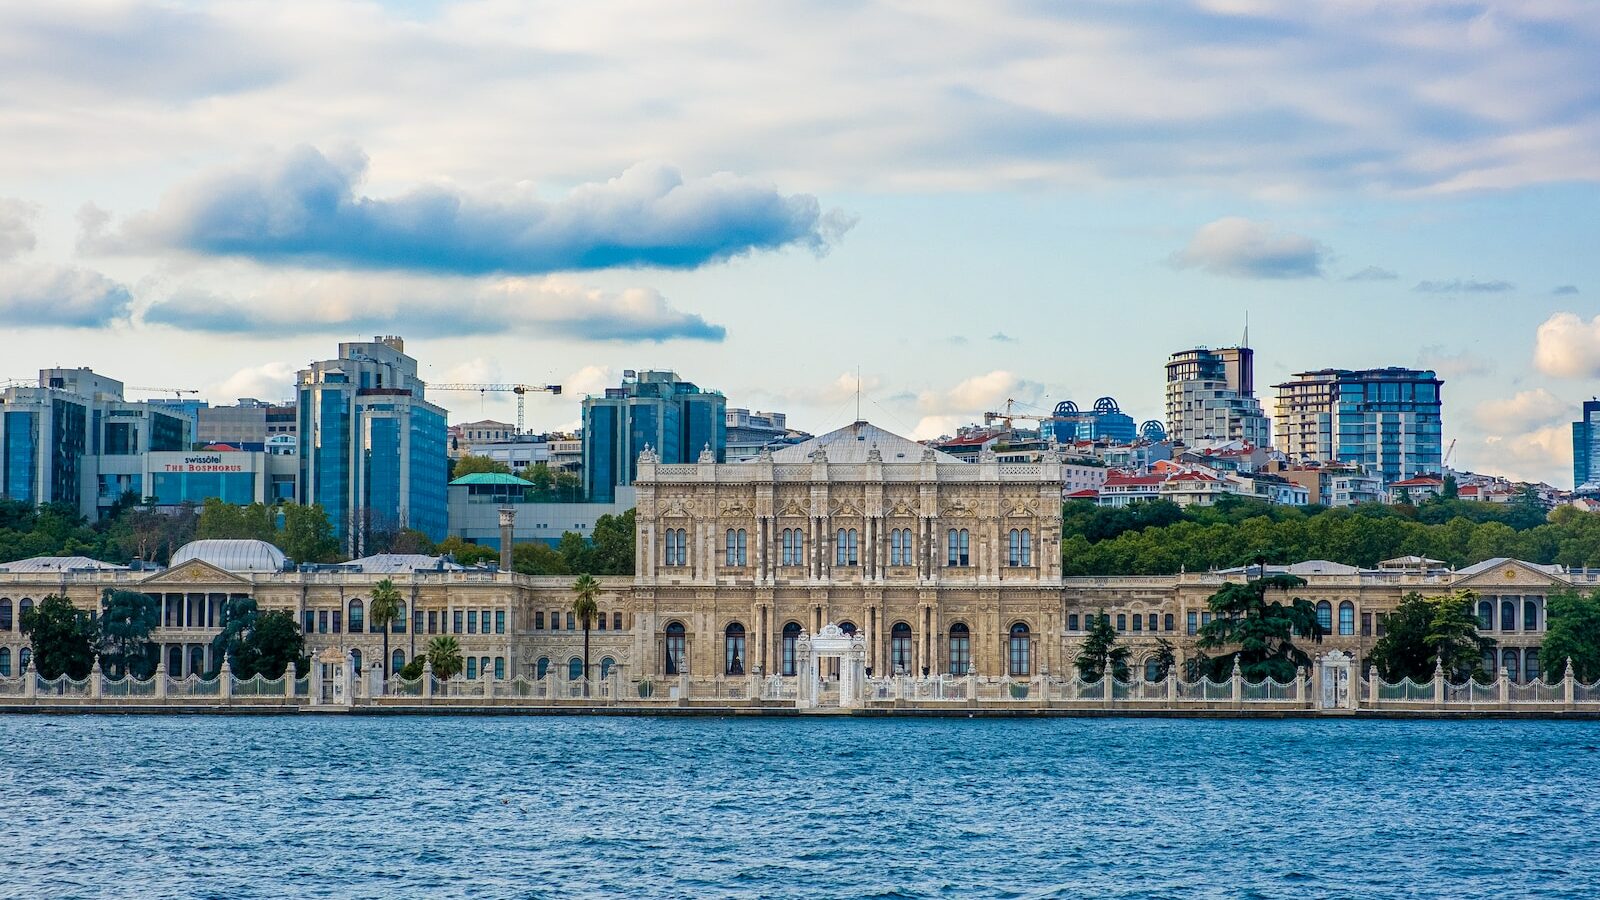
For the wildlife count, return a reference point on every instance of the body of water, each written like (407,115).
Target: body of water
(303,806)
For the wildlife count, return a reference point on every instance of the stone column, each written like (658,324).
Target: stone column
(427,679)
(288,681)
(1372,687)
(349,679)
(1568,688)
(160,676)
(1438,683)
(508,520)
(225,681)
(1300,676)
(1505,687)
(1238,683)
(95,687)
(1172,686)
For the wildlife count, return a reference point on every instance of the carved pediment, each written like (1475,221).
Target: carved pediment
(958,510)
(1509,573)
(794,508)
(846,509)
(733,509)
(1020,509)
(677,508)
(194,572)
(902,508)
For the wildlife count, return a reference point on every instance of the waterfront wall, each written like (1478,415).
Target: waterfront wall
(1318,691)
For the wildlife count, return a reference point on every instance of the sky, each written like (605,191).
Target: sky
(947,204)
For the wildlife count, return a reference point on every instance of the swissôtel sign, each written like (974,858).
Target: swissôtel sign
(204,462)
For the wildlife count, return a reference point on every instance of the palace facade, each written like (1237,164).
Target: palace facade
(942,566)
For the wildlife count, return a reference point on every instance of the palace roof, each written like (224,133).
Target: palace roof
(852,443)
(232,555)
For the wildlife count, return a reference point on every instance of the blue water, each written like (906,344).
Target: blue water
(546,807)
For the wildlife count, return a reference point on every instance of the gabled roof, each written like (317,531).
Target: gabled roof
(37,564)
(399,563)
(1420,481)
(1085,494)
(492,478)
(851,444)
(1498,561)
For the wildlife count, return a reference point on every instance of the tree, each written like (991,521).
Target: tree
(1100,651)
(614,549)
(1573,633)
(219,520)
(1258,630)
(467,554)
(126,620)
(63,637)
(538,558)
(1423,633)
(307,535)
(383,609)
(473,465)
(412,670)
(1448,489)
(576,550)
(584,592)
(1166,658)
(1404,497)
(444,654)
(259,643)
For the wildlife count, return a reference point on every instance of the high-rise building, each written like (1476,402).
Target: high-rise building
(1106,422)
(1211,396)
(1586,449)
(73,439)
(248,425)
(673,417)
(1385,420)
(372,448)
(751,432)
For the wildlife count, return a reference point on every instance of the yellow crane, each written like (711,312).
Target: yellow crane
(521,390)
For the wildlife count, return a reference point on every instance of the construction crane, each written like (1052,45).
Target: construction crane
(1445,462)
(521,390)
(177,393)
(1047,434)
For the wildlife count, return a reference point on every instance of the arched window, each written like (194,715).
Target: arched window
(5,662)
(1122,621)
(848,628)
(736,547)
(1021,655)
(5,613)
(674,648)
(677,547)
(960,649)
(1485,615)
(1509,659)
(900,648)
(197,660)
(1347,618)
(1152,669)
(397,661)
(543,668)
(846,548)
(791,634)
(733,649)
(24,656)
(23,607)
(355,660)
(399,624)
(1325,616)
(794,547)
(357,616)
(606,663)
(174,661)
(1020,548)
(1508,616)
(1027,547)
(960,546)
(1531,660)
(1530,617)
(900,547)
(575,669)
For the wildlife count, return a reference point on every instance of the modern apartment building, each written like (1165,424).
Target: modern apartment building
(248,425)
(372,448)
(74,439)
(654,409)
(1211,396)
(1586,449)
(750,432)
(1385,420)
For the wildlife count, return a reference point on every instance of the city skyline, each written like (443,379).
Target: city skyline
(962,206)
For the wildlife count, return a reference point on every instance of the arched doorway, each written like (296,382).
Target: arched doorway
(900,649)
(733,649)
(960,649)
(1020,651)
(675,643)
(791,635)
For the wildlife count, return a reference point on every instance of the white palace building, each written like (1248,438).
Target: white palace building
(936,565)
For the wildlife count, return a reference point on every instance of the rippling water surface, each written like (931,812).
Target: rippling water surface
(545,807)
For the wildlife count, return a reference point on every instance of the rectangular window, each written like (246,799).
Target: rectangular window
(472,621)
(602,620)
(1205,619)
(1366,624)
(538,621)
(499,621)
(499,668)
(433,621)
(310,626)
(1168,622)
(616,621)
(1383,624)
(322,621)
(1122,621)
(571,623)
(459,617)
(418,621)
(1072,622)
(1193,623)
(337,615)
(472,667)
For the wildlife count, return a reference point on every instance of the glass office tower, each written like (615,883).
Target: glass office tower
(675,418)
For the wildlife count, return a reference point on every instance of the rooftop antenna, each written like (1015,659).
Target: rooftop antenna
(858,393)
(1247,329)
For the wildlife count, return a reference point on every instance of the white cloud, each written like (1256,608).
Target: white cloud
(273,381)
(589,380)
(1544,454)
(1522,412)
(944,411)
(16,227)
(341,303)
(1241,248)
(1460,364)
(44,296)
(1566,346)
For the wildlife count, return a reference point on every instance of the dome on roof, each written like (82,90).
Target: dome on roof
(233,555)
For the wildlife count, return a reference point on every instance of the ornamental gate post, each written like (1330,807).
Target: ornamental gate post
(95,679)
(1568,688)
(225,681)
(1172,686)
(1438,683)
(1238,684)
(1372,686)
(1300,676)
(1505,687)
(427,678)
(161,679)
(289,679)
(30,682)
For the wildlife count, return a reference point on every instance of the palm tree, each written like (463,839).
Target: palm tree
(584,592)
(444,654)
(382,611)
